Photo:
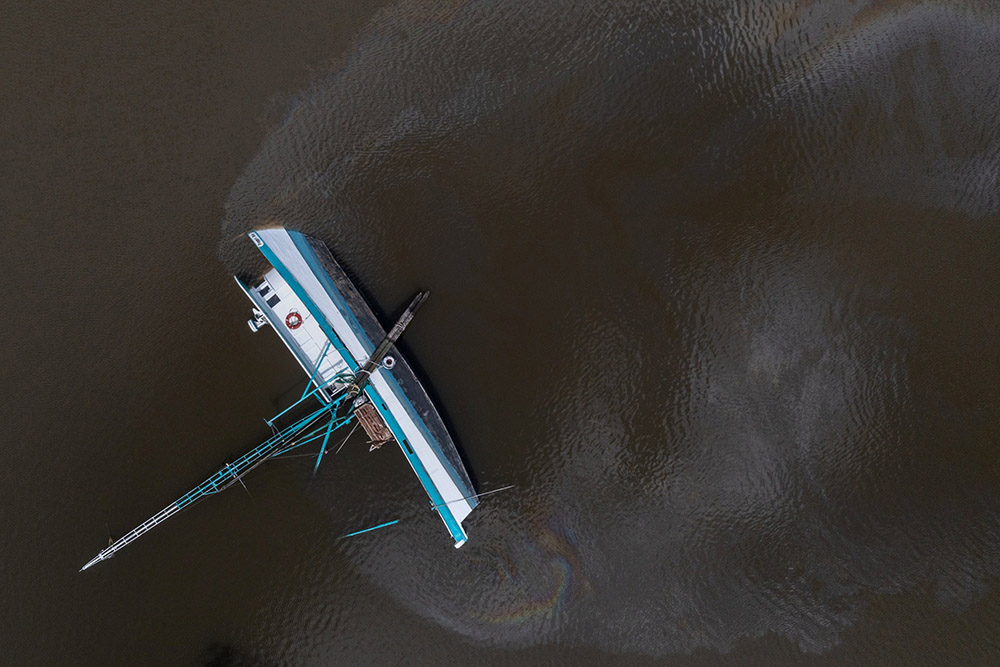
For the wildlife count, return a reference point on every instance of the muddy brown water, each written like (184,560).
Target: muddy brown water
(715,285)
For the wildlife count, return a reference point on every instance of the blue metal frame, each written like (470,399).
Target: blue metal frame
(322,449)
(319,362)
(304,397)
(233,471)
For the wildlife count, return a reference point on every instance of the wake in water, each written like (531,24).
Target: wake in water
(722,278)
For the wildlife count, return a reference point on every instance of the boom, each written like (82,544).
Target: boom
(364,373)
(307,429)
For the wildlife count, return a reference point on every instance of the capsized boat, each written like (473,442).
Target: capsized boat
(356,376)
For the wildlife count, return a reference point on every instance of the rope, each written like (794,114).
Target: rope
(474,495)
(344,442)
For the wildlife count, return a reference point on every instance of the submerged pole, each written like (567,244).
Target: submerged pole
(368,530)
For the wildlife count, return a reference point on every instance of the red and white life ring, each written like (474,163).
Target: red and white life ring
(293,320)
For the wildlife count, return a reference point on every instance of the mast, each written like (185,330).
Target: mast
(317,424)
(364,373)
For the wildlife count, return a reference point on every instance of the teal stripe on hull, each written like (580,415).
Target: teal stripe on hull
(302,244)
(454,527)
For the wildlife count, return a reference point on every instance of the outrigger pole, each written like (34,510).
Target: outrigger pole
(285,440)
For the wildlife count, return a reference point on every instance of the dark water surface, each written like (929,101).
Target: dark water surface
(716,285)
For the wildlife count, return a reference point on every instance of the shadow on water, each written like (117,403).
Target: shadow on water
(715,288)
(218,654)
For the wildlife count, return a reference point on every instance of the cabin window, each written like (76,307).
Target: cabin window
(407,445)
(273,301)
